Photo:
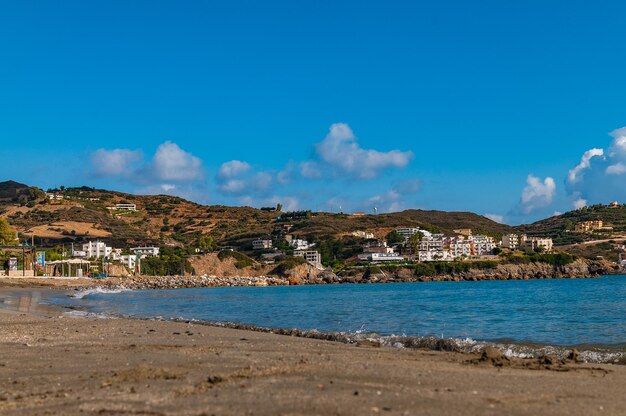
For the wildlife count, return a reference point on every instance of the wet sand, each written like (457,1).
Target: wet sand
(65,365)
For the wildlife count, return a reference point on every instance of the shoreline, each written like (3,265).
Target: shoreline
(74,365)
(590,270)
(532,354)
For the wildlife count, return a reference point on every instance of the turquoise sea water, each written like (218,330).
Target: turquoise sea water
(559,312)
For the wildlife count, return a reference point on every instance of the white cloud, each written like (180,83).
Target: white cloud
(232,169)
(598,178)
(286,175)
(310,169)
(390,201)
(340,150)
(168,187)
(262,180)
(618,147)
(171,163)
(116,162)
(232,186)
(496,217)
(616,169)
(537,194)
(236,178)
(585,163)
(579,203)
(556,213)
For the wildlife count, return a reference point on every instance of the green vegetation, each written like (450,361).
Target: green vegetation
(207,243)
(554,259)
(171,261)
(561,227)
(7,233)
(394,238)
(288,264)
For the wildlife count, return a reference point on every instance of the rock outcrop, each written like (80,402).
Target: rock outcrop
(226,274)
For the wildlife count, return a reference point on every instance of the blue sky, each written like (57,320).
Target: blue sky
(480,106)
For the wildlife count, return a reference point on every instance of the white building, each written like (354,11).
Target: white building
(298,244)
(129,260)
(534,243)
(410,232)
(124,207)
(116,254)
(434,255)
(362,234)
(310,256)
(440,247)
(433,243)
(54,196)
(381,257)
(260,244)
(95,249)
(146,251)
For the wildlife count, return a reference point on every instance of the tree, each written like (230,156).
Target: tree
(7,233)
(414,242)
(394,238)
(279,207)
(207,243)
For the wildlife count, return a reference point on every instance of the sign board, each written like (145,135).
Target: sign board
(12,263)
(41,258)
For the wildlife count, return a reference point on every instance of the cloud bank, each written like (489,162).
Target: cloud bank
(341,152)
(171,170)
(537,194)
(600,176)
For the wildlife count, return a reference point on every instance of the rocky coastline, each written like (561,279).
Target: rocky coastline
(580,268)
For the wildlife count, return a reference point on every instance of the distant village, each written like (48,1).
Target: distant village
(398,246)
(414,245)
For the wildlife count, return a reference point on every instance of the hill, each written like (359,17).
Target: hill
(605,242)
(74,215)
(434,221)
(562,227)
(15,192)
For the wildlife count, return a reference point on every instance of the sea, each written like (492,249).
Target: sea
(524,318)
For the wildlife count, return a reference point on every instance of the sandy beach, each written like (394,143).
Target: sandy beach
(57,364)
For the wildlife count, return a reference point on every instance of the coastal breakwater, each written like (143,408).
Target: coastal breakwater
(304,274)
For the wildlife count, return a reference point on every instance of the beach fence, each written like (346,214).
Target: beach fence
(72,268)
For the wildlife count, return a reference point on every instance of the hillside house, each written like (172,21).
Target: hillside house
(310,256)
(124,207)
(261,244)
(588,226)
(362,234)
(534,243)
(93,249)
(146,251)
(513,241)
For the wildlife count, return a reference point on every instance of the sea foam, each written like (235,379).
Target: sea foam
(98,290)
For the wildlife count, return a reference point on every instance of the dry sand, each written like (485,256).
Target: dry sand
(60,365)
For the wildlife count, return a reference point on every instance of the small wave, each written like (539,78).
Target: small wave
(84,314)
(462,345)
(98,290)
